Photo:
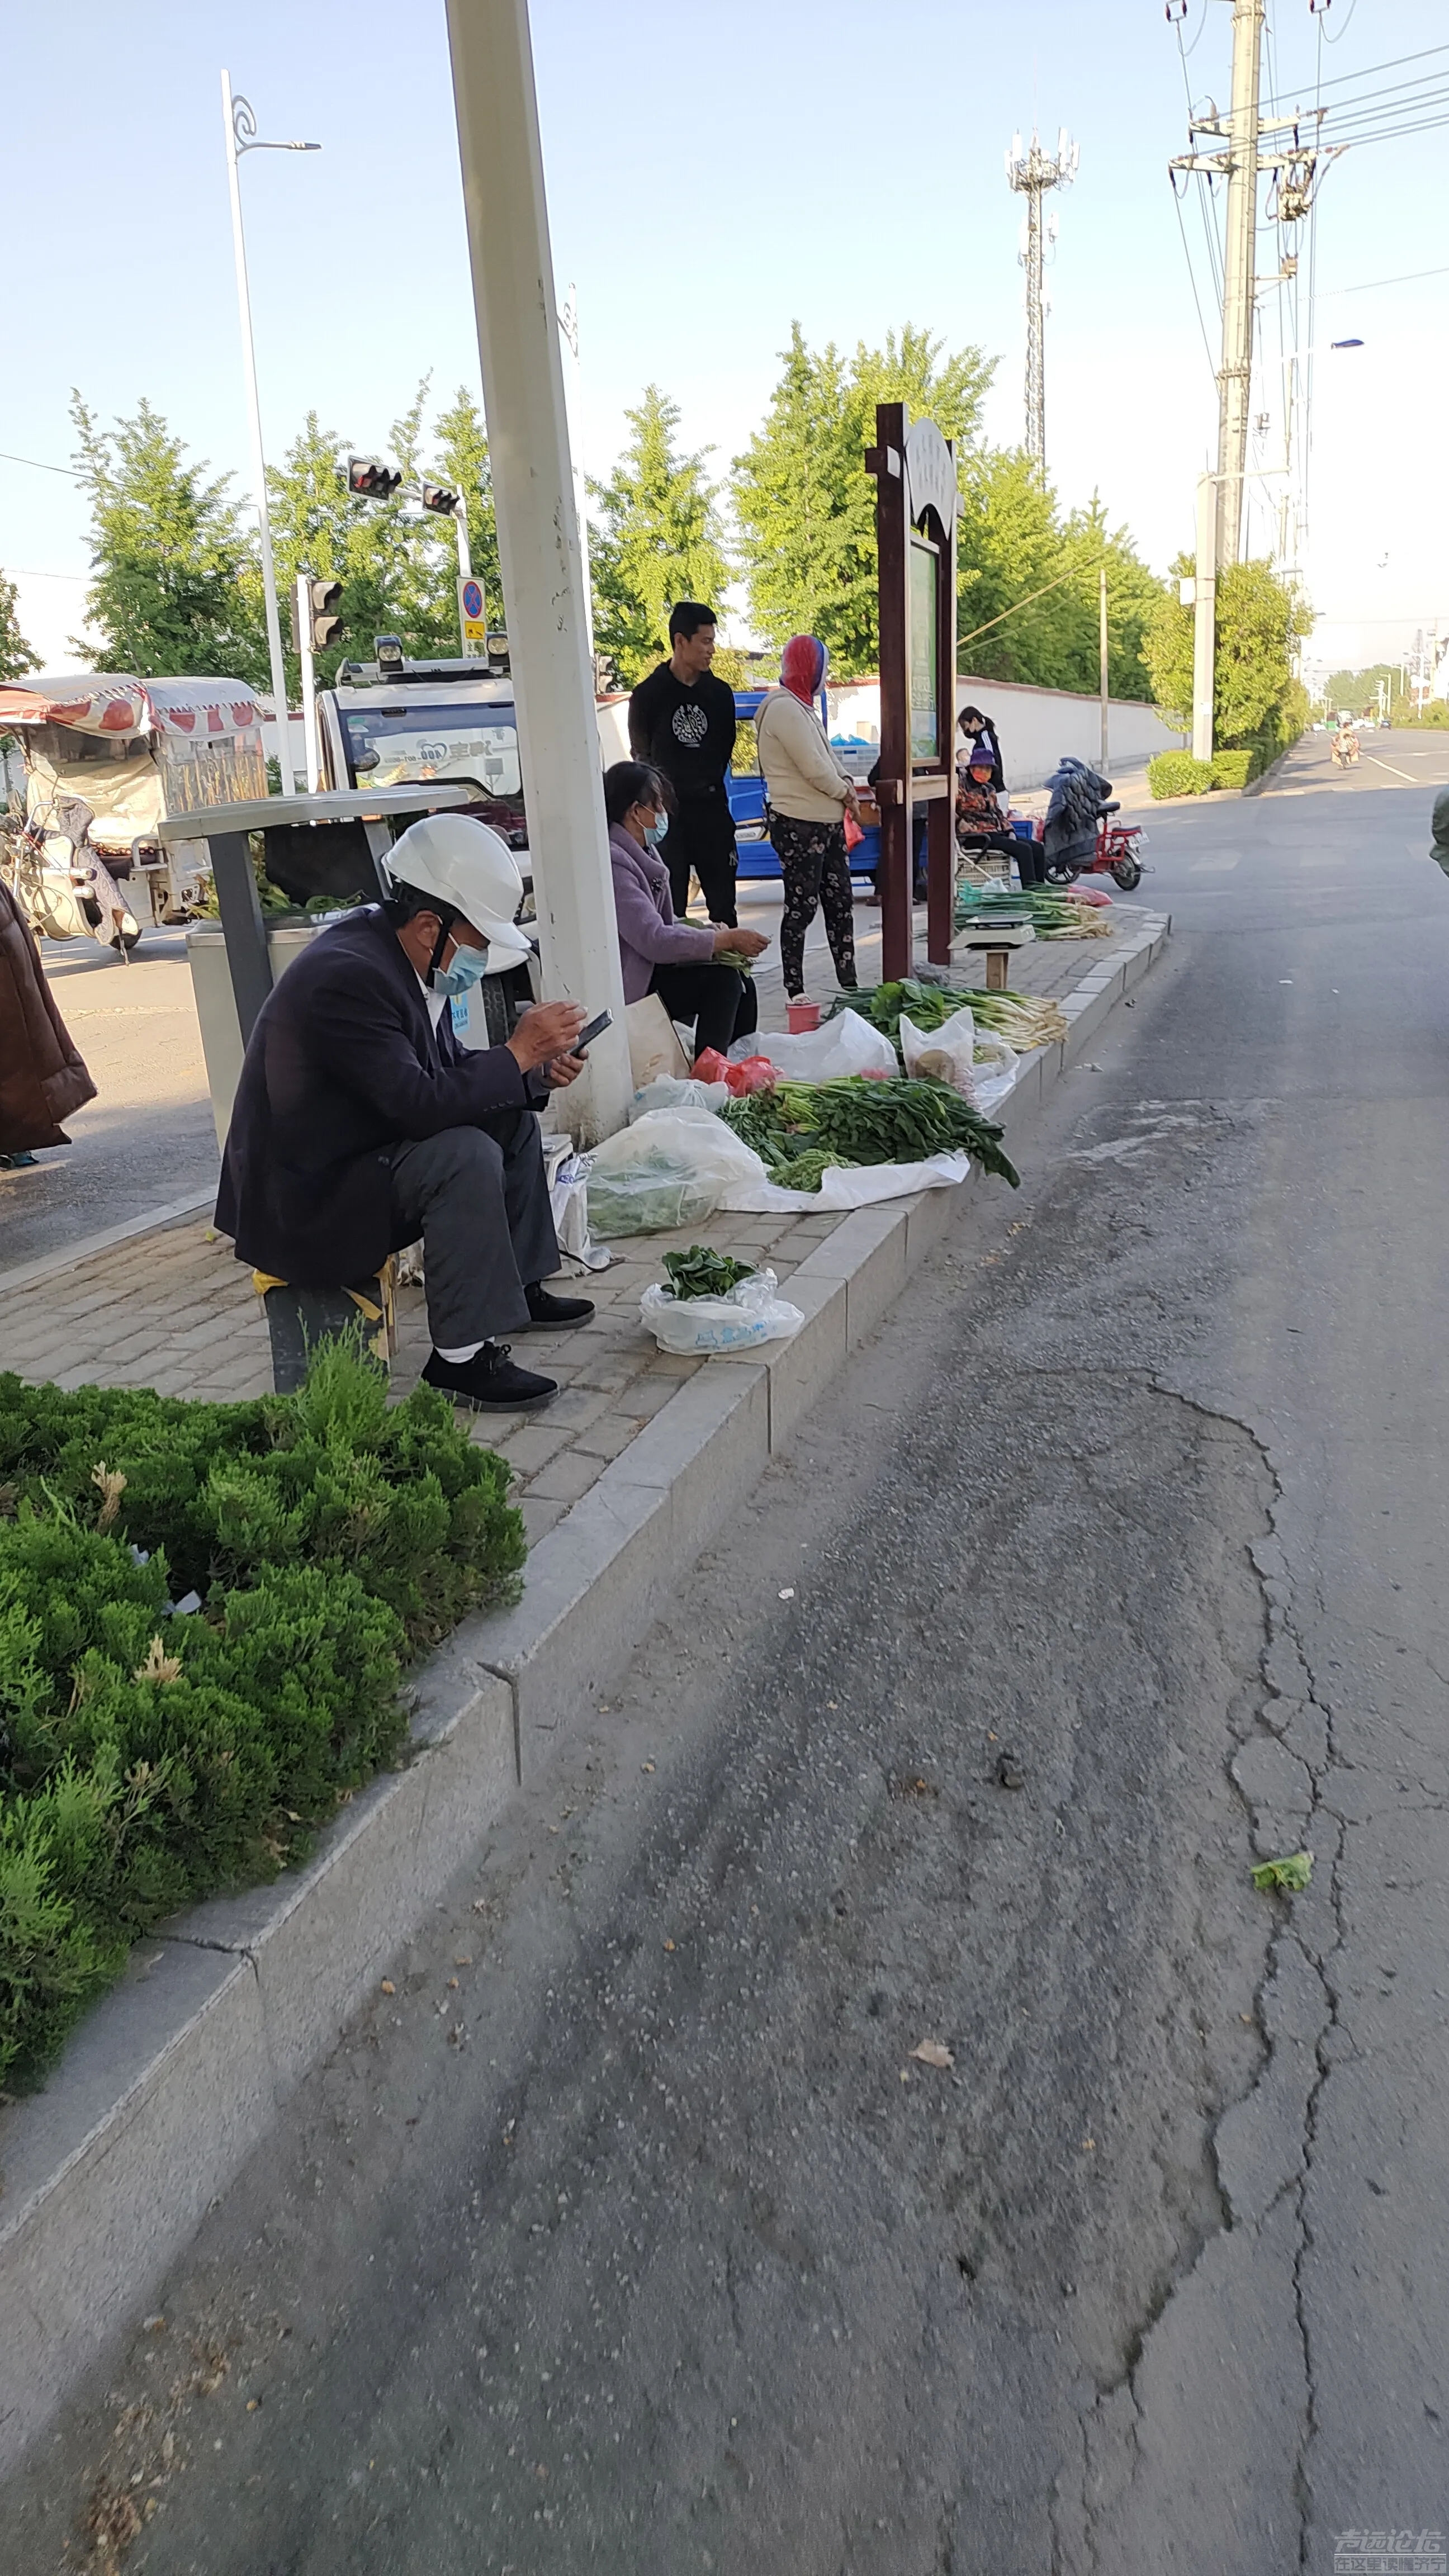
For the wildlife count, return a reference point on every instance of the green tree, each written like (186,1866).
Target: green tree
(321,528)
(173,587)
(806,508)
(1359,690)
(460,459)
(807,542)
(16,656)
(657,538)
(1257,699)
(804,501)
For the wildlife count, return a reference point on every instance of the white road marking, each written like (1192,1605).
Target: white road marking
(1394,773)
(1213,867)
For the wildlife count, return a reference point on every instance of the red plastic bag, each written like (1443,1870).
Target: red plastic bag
(853,833)
(710,1066)
(754,1073)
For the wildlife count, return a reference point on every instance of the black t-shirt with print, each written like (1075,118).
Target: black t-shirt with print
(689,733)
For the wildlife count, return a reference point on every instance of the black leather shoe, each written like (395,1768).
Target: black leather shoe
(489,1381)
(548,1314)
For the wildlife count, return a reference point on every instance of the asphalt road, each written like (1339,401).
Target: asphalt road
(147,1139)
(650,2245)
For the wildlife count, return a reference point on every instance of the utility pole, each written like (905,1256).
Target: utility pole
(1031,174)
(240,127)
(568,323)
(1102,654)
(538,541)
(1239,277)
(1204,602)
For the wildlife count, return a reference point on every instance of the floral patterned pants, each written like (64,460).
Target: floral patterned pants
(813,864)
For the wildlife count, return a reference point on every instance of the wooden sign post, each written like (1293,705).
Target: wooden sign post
(915,520)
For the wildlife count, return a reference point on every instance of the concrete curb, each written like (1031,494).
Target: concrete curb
(177,2075)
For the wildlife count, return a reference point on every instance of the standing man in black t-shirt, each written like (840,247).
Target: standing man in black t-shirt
(682,720)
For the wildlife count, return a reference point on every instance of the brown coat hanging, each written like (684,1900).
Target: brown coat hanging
(42,1077)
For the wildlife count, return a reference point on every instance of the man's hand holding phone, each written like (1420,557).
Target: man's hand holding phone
(545,1035)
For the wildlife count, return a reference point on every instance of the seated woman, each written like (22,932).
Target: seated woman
(659,954)
(981,824)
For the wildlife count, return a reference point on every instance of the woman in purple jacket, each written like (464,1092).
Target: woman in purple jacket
(659,954)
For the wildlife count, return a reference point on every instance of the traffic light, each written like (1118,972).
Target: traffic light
(436,496)
(322,600)
(369,481)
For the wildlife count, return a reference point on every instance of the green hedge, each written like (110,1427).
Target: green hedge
(1235,768)
(149,1755)
(1176,773)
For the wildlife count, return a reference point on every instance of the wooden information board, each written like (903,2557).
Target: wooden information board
(915,521)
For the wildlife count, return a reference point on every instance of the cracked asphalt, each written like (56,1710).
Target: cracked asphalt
(650,2244)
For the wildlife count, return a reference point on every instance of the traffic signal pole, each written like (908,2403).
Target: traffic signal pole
(309,683)
(538,542)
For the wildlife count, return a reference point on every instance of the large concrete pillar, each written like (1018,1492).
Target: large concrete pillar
(538,547)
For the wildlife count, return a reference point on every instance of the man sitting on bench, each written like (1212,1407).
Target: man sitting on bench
(360,1123)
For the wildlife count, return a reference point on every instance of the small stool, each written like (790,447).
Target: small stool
(299,1318)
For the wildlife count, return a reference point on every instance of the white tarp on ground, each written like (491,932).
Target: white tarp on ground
(847,1186)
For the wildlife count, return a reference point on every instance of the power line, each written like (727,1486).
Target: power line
(1192,282)
(1406,277)
(40,468)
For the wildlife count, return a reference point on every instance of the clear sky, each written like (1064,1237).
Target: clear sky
(714,172)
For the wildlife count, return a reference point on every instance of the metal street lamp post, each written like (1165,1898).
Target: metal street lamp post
(241,136)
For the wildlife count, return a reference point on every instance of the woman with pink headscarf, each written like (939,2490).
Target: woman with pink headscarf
(807,797)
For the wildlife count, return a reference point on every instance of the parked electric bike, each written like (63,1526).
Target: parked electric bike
(62,886)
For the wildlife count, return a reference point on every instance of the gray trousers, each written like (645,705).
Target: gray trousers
(478,1198)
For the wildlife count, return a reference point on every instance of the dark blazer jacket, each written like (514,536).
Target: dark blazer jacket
(42,1078)
(344,1062)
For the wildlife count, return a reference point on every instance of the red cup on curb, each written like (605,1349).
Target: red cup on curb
(802,1017)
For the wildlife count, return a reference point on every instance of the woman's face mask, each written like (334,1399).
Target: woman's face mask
(654,832)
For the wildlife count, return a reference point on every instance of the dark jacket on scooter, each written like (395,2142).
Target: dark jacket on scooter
(1077,797)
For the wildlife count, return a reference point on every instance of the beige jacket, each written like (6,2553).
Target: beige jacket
(802,776)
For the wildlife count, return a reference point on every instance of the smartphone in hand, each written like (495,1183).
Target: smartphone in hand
(591,1030)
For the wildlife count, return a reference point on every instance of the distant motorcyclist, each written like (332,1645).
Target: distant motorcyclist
(1345,748)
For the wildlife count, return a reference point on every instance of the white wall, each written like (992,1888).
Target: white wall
(1035,726)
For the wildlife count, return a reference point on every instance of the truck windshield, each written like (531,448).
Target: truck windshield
(444,740)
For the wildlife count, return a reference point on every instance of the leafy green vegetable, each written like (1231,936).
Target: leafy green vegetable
(854,1119)
(1293,1872)
(732,957)
(699,1272)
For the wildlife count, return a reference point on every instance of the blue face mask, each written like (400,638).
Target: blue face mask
(469,967)
(654,832)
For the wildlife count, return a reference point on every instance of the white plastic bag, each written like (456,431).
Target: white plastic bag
(846,1044)
(752,1312)
(569,1206)
(981,1066)
(667,1092)
(671,1168)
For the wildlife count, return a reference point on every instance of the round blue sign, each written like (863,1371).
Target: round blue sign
(472,599)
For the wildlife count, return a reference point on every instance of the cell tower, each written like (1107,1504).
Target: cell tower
(1031,173)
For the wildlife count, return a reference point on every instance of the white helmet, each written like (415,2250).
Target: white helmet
(470,867)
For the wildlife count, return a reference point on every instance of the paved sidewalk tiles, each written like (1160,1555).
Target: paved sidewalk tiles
(176,1311)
